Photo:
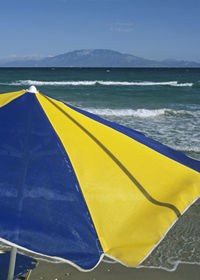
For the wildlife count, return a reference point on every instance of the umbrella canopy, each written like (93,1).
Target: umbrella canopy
(76,187)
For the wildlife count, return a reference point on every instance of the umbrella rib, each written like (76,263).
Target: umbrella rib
(120,165)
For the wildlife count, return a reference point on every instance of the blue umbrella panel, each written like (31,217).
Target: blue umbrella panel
(75,187)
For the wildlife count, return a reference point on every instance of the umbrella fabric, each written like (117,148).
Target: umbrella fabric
(23,264)
(76,187)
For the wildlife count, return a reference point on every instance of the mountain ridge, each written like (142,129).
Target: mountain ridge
(95,58)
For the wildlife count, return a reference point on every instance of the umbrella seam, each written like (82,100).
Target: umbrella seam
(151,146)
(25,167)
(166,232)
(119,164)
(98,243)
(21,92)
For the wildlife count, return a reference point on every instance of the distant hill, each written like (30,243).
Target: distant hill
(94,58)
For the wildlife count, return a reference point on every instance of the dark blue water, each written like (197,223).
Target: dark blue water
(162,103)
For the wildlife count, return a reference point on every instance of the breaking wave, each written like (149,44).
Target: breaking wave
(53,83)
(140,113)
(193,149)
(97,82)
(145,83)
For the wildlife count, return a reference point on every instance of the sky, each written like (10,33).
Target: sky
(153,29)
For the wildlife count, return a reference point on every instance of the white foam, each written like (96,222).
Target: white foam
(97,82)
(193,149)
(140,113)
(53,83)
(145,83)
(183,85)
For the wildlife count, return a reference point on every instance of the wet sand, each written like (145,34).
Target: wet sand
(61,271)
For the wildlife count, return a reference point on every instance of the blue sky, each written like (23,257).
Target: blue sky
(154,29)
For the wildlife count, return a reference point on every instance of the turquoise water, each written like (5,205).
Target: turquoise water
(162,103)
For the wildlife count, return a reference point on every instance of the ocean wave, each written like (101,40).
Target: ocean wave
(182,84)
(140,113)
(52,83)
(145,83)
(170,268)
(185,148)
(96,82)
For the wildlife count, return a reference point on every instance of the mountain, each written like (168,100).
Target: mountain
(97,58)
(94,58)
(23,61)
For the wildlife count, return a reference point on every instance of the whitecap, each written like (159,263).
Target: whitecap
(139,113)
(53,83)
(97,82)
(185,148)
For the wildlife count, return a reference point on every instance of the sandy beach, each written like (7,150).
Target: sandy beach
(61,271)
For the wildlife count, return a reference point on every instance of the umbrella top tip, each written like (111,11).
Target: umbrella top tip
(32,89)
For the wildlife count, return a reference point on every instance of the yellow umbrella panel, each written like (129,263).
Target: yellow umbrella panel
(134,188)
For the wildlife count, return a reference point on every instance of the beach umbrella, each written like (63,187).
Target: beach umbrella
(75,187)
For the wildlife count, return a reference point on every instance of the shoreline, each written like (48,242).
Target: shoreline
(61,271)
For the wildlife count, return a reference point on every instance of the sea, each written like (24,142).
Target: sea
(162,103)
